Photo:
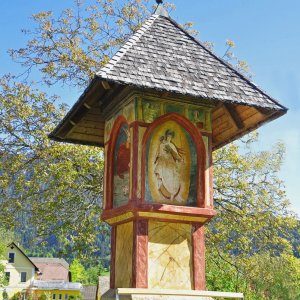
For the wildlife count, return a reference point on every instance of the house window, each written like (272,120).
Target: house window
(66,296)
(59,296)
(11,257)
(23,276)
(7,277)
(53,296)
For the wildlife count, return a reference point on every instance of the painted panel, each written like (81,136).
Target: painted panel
(151,111)
(121,167)
(140,148)
(123,261)
(107,129)
(171,166)
(207,172)
(170,263)
(105,179)
(128,111)
(197,116)
(174,108)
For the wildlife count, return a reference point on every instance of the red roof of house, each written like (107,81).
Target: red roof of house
(51,268)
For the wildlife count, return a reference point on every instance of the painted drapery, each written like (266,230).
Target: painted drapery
(121,167)
(171,166)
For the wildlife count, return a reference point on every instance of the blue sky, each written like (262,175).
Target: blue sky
(267,35)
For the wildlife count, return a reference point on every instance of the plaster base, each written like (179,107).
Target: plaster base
(166,294)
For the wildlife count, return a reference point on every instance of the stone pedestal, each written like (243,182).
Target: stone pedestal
(156,294)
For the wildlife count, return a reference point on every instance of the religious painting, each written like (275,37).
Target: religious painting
(173,108)
(197,116)
(129,112)
(107,130)
(171,166)
(121,167)
(151,111)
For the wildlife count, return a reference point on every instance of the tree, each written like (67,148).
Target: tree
(4,295)
(57,187)
(70,48)
(78,271)
(5,238)
(85,275)
(58,184)
(254,223)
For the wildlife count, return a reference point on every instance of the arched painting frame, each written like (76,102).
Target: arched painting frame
(119,155)
(187,145)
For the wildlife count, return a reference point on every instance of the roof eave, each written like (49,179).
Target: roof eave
(54,134)
(270,118)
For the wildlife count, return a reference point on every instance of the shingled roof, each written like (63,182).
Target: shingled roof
(51,268)
(163,58)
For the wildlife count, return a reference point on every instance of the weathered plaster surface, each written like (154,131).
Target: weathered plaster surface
(123,264)
(165,297)
(170,256)
(111,295)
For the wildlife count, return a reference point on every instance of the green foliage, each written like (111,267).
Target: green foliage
(93,273)
(77,270)
(275,277)
(45,296)
(6,237)
(4,295)
(59,183)
(16,296)
(71,47)
(250,240)
(71,297)
(264,277)
(85,275)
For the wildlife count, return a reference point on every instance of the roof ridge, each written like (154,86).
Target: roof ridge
(130,43)
(227,64)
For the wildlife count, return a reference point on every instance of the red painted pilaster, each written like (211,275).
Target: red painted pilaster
(211,193)
(199,257)
(140,254)
(134,163)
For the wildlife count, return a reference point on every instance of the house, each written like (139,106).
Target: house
(20,271)
(52,268)
(54,279)
(44,278)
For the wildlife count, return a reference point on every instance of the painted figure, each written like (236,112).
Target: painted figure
(198,118)
(123,156)
(150,111)
(167,167)
(122,167)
